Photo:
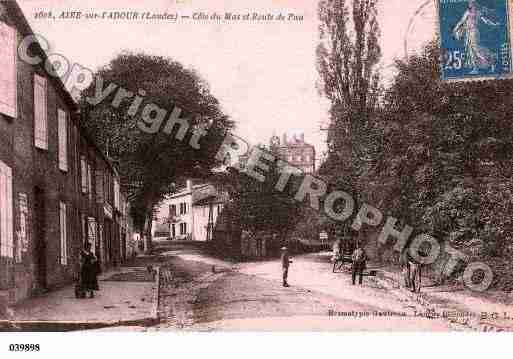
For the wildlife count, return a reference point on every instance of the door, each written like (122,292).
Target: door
(40,238)
(108,240)
(123,246)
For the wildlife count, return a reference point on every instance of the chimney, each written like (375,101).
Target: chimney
(189,185)
(302,138)
(284,139)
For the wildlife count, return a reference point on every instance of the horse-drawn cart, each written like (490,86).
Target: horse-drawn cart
(339,260)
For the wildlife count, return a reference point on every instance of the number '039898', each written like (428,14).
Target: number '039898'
(24,347)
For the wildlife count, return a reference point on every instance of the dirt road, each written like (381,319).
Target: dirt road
(203,293)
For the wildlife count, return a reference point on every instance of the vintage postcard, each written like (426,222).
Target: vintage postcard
(273,165)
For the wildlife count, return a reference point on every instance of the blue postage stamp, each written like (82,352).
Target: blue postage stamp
(475,39)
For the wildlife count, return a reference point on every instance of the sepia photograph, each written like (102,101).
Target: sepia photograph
(218,167)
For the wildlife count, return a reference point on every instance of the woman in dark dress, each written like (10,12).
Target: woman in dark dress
(89,270)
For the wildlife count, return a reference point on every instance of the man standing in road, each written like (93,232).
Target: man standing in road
(337,249)
(359,262)
(285,263)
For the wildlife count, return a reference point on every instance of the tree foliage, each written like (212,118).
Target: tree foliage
(151,163)
(347,56)
(261,207)
(446,167)
(436,155)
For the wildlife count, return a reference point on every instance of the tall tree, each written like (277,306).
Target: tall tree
(347,56)
(150,164)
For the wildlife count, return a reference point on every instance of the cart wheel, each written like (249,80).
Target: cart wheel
(337,266)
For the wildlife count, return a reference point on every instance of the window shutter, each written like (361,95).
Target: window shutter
(92,233)
(22,240)
(3,205)
(99,186)
(89,182)
(6,215)
(3,209)
(40,112)
(83,174)
(99,238)
(63,140)
(8,74)
(64,239)
(10,232)
(116,195)
(77,157)
(83,222)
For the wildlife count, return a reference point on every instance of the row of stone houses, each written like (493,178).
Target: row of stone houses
(57,189)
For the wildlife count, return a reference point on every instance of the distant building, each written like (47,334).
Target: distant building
(189,214)
(296,152)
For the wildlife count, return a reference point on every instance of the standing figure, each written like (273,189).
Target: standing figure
(359,263)
(476,55)
(89,270)
(338,249)
(404,261)
(285,263)
(412,270)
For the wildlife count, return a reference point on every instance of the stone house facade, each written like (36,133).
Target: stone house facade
(57,189)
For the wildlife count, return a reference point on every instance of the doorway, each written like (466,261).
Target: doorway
(40,238)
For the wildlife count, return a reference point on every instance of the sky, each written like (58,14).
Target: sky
(263,73)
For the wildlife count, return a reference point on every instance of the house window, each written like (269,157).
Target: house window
(108,188)
(64,235)
(8,78)
(183,229)
(40,112)
(83,174)
(183,208)
(172,210)
(6,209)
(116,194)
(83,225)
(173,230)
(63,140)
(91,233)
(76,155)
(99,187)
(90,181)
(22,239)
